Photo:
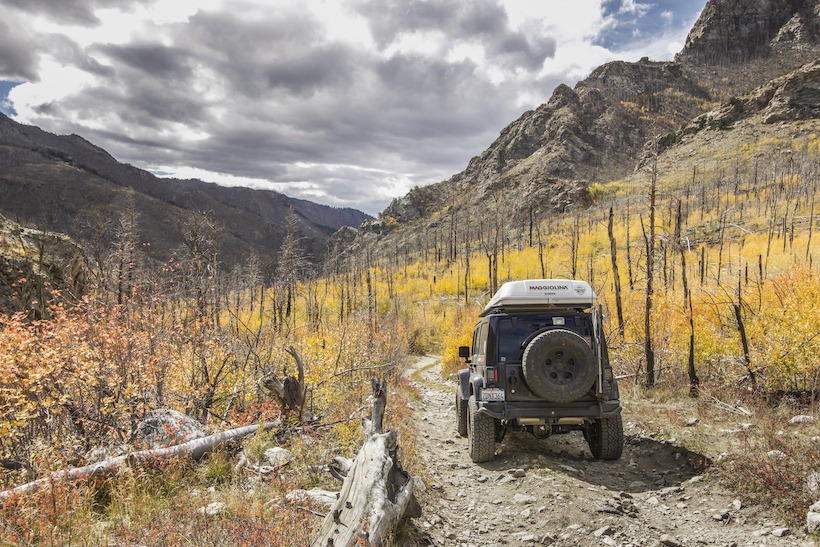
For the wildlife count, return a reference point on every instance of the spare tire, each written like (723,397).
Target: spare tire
(559,366)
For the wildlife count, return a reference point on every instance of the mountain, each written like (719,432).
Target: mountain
(599,130)
(66,184)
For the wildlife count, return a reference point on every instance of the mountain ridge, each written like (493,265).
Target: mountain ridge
(598,131)
(54,181)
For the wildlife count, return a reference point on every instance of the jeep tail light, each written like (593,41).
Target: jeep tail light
(558,321)
(492,375)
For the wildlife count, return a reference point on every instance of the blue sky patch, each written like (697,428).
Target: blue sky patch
(5,107)
(639,20)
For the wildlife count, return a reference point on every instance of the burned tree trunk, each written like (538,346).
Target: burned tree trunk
(290,391)
(377,493)
(613,251)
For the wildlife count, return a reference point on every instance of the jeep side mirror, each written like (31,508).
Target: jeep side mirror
(464,352)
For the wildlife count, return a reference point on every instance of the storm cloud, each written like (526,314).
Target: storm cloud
(344,102)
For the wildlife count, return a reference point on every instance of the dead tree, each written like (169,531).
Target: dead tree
(744,340)
(290,391)
(694,381)
(613,250)
(193,449)
(649,350)
(377,493)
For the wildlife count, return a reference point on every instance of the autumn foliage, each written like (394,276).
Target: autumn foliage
(187,335)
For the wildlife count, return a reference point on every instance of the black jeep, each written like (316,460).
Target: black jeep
(539,363)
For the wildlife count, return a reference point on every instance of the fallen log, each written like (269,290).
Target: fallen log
(193,449)
(377,493)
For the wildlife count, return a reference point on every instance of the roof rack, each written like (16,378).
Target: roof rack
(541,294)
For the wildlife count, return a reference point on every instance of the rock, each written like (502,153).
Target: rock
(603,531)
(691,421)
(278,456)
(803,419)
(722,516)
(524,499)
(776,454)
(737,504)
(165,427)
(781,532)
(212,509)
(518,473)
(570,469)
(813,483)
(813,518)
(670,541)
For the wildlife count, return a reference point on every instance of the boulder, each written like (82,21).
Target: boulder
(165,427)
(278,456)
(813,518)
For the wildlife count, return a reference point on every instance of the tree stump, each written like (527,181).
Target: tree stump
(377,493)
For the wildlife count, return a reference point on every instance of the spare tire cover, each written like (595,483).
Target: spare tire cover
(559,366)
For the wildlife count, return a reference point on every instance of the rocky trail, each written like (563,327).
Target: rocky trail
(551,491)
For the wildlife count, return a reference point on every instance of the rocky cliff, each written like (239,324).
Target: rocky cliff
(597,131)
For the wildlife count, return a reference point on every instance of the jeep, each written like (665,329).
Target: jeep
(539,363)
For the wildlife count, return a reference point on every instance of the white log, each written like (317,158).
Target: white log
(193,449)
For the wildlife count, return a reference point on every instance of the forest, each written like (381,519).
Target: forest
(706,270)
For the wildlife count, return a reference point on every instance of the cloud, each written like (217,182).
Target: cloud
(69,11)
(18,60)
(348,102)
(633,7)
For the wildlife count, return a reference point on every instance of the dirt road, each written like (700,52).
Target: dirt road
(551,491)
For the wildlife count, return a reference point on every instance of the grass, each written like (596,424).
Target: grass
(164,507)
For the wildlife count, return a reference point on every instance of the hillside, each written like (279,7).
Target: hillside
(66,184)
(543,162)
(691,209)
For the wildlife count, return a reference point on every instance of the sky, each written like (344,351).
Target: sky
(348,103)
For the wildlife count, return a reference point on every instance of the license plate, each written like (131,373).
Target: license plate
(492,394)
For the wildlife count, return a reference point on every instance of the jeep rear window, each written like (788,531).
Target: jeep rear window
(513,331)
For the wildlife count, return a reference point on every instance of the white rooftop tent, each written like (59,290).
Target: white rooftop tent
(542,292)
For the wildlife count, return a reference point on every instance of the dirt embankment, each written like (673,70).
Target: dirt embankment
(551,491)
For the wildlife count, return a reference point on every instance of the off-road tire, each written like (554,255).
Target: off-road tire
(461,414)
(480,433)
(559,366)
(605,438)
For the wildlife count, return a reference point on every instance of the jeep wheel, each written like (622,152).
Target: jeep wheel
(559,366)
(606,438)
(461,414)
(480,433)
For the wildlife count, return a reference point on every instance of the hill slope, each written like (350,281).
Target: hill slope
(66,184)
(543,162)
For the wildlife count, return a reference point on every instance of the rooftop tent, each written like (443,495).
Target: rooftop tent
(542,293)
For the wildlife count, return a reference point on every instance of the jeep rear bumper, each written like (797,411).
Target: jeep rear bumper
(580,409)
